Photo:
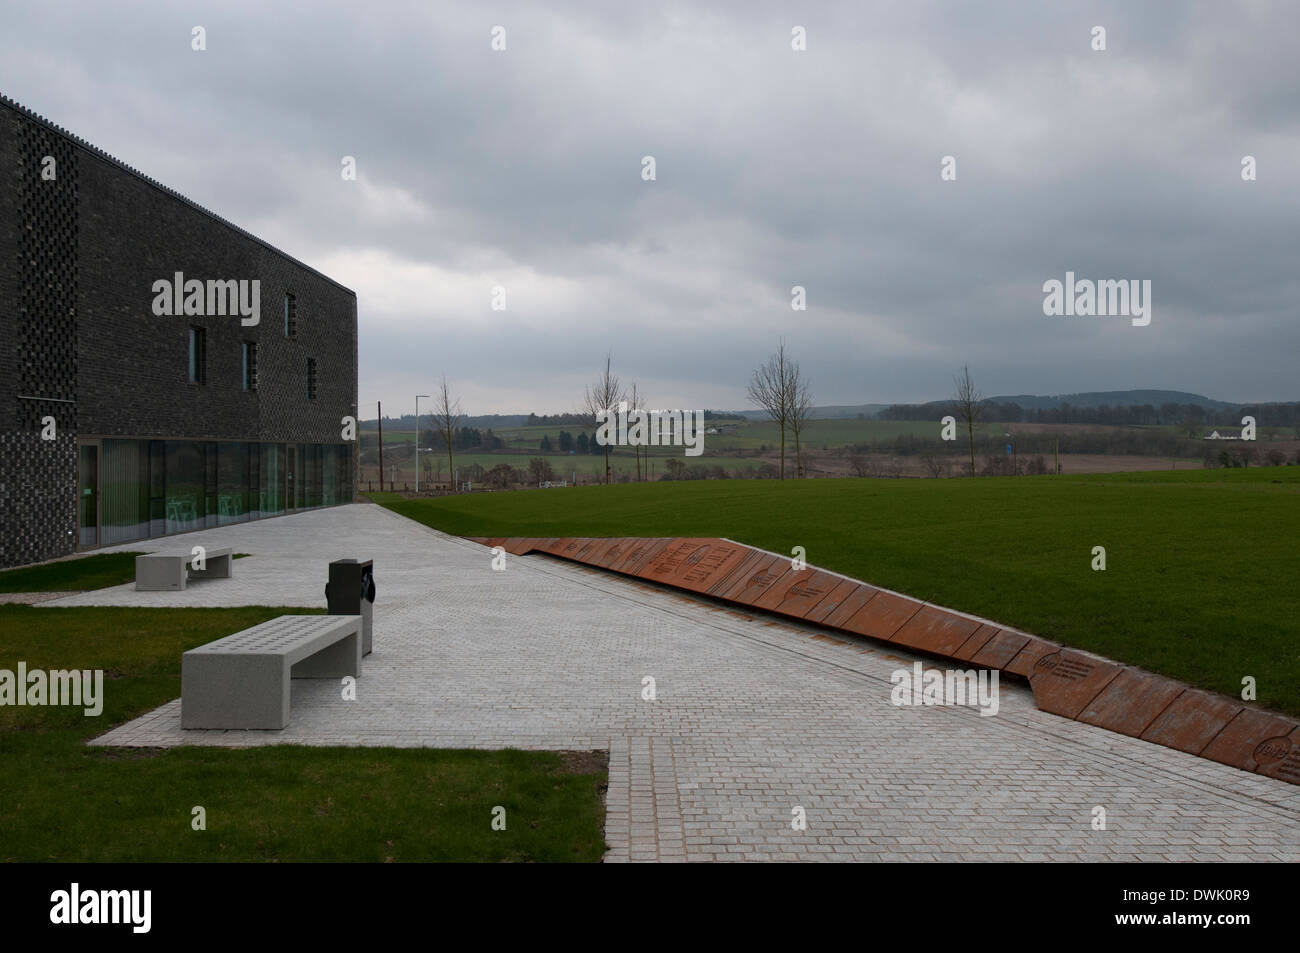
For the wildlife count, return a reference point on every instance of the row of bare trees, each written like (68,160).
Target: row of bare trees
(780,388)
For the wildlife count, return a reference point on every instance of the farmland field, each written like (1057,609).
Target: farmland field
(851,447)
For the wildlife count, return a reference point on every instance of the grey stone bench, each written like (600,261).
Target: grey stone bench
(169,571)
(242,681)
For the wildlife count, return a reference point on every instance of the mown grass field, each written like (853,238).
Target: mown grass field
(63,801)
(88,572)
(1202,581)
(70,575)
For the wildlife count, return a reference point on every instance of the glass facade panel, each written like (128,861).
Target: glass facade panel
(184,486)
(87,493)
(212,504)
(157,488)
(232,485)
(148,488)
(272,479)
(329,487)
(124,491)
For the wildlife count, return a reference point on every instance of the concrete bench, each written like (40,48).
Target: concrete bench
(169,571)
(242,681)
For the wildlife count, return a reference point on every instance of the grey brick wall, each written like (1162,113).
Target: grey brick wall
(38,325)
(153,397)
(77,266)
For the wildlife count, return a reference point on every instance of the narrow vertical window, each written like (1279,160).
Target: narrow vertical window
(198,356)
(290,315)
(311,378)
(250,365)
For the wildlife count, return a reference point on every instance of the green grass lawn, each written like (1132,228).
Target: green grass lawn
(87,572)
(61,800)
(1202,580)
(75,575)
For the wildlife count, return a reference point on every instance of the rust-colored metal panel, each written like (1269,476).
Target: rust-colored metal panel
(1024,661)
(708,565)
(1279,757)
(850,605)
(931,629)
(843,589)
(581,550)
(520,545)
(757,579)
(883,615)
(694,564)
(797,596)
(1065,682)
(1131,702)
(752,559)
(1237,742)
(558,547)
(640,552)
(1001,649)
(970,648)
(1191,721)
(607,552)
(776,592)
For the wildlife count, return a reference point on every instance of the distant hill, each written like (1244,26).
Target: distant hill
(1113,398)
(829,412)
(1089,399)
(482,422)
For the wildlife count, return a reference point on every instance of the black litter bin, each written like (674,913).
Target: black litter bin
(351,591)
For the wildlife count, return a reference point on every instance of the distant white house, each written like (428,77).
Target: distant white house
(1218,436)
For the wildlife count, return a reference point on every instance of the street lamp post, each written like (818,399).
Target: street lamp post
(417,442)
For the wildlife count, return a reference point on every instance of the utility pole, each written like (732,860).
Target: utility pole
(381,446)
(417,441)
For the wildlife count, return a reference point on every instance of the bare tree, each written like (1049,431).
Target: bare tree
(933,464)
(634,403)
(970,405)
(800,400)
(539,468)
(768,389)
(446,414)
(603,395)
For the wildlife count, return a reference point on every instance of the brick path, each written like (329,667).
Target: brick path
(752,718)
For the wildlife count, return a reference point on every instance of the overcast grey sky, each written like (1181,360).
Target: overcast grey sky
(775,167)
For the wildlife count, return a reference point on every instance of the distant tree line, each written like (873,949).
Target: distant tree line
(1148,443)
(1191,415)
(463,438)
(557,420)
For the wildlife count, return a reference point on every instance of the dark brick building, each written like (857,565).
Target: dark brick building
(161,423)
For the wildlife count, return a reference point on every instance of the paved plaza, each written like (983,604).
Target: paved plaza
(752,718)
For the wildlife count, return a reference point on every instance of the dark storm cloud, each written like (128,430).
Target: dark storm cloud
(775,168)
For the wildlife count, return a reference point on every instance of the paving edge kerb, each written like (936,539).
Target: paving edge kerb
(1066,682)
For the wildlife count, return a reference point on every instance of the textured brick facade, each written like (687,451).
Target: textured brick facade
(79,256)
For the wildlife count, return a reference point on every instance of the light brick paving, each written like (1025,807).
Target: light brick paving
(752,718)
